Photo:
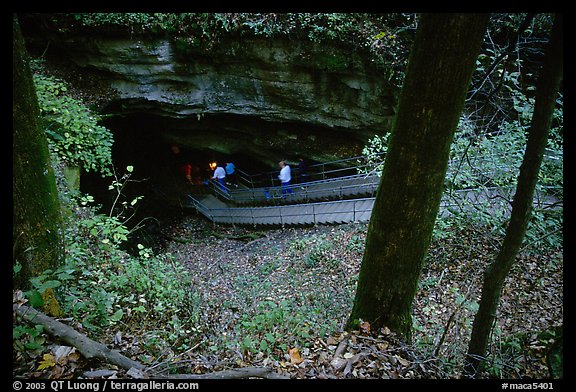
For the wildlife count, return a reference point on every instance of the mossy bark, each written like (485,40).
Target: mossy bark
(545,102)
(440,67)
(37,243)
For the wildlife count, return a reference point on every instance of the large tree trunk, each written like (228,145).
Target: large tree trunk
(441,64)
(546,94)
(37,243)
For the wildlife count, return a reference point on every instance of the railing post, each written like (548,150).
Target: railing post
(314,213)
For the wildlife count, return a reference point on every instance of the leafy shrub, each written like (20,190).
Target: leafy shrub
(102,286)
(275,327)
(72,129)
(374,154)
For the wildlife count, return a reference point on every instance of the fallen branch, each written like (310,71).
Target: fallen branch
(91,349)
(247,372)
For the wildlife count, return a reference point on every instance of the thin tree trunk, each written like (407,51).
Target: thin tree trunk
(546,94)
(441,64)
(37,243)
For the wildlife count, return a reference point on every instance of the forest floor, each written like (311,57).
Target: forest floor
(280,298)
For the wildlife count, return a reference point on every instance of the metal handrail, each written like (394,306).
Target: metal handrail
(271,175)
(301,184)
(275,193)
(259,215)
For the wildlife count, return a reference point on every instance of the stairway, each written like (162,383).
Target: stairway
(339,211)
(343,199)
(333,212)
(359,185)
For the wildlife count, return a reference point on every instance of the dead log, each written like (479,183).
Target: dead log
(91,349)
(240,373)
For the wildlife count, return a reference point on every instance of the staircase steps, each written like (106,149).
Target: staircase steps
(338,211)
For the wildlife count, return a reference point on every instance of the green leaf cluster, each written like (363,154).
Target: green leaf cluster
(72,129)
(102,287)
(274,326)
(109,286)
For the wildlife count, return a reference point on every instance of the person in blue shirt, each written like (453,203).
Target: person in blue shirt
(231,173)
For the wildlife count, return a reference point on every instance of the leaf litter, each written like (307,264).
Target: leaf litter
(280,298)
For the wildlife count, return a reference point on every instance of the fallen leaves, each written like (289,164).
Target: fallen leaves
(231,279)
(59,362)
(295,357)
(47,362)
(357,355)
(365,327)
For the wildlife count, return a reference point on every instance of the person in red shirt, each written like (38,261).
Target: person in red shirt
(184,167)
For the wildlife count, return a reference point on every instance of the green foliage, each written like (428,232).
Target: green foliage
(140,21)
(374,154)
(28,338)
(316,252)
(489,162)
(276,327)
(493,160)
(545,231)
(73,131)
(101,286)
(105,229)
(510,353)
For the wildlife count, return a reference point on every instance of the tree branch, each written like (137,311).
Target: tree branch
(91,349)
(86,346)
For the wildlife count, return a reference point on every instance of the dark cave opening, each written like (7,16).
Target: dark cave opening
(145,142)
(144,139)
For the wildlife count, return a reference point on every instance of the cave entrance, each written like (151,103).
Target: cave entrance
(145,140)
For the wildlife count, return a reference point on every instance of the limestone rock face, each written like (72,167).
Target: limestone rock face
(275,80)
(261,90)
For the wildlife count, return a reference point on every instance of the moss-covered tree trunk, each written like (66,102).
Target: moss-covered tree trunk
(545,101)
(37,243)
(440,67)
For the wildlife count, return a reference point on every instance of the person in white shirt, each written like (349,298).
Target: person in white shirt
(220,175)
(285,177)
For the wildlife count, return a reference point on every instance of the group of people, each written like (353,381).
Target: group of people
(181,161)
(221,174)
(227,175)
